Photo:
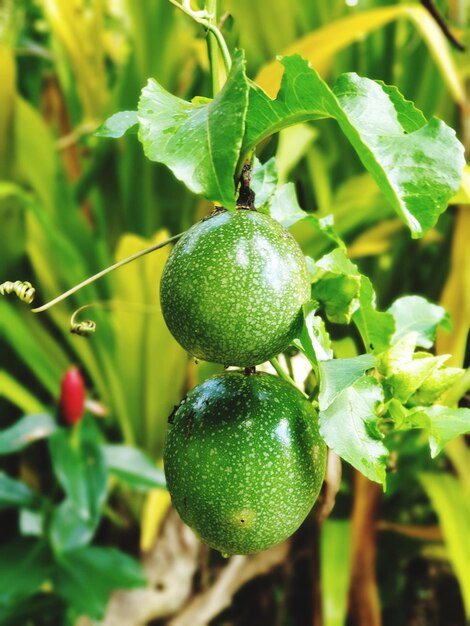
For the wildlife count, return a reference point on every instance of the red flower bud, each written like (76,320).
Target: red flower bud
(72,396)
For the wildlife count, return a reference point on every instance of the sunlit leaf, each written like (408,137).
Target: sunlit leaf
(417,165)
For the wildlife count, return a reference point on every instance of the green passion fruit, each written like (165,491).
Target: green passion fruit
(233,287)
(244,461)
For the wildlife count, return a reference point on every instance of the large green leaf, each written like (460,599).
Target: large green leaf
(133,466)
(452,505)
(416,164)
(349,427)
(25,431)
(200,143)
(87,576)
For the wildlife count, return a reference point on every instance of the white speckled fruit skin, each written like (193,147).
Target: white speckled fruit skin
(244,461)
(233,287)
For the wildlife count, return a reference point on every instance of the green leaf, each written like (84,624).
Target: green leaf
(69,529)
(376,328)
(445,424)
(133,466)
(451,503)
(264,180)
(118,125)
(284,207)
(349,427)
(336,284)
(25,431)
(416,314)
(314,339)
(199,143)
(80,468)
(410,377)
(417,165)
(15,493)
(441,422)
(398,356)
(86,577)
(25,565)
(337,375)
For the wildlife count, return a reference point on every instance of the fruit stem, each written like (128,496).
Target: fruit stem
(284,375)
(109,269)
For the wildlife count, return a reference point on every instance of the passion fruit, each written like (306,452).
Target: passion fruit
(244,461)
(233,287)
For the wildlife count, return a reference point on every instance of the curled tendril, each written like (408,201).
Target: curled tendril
(22,289)
(85,328)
